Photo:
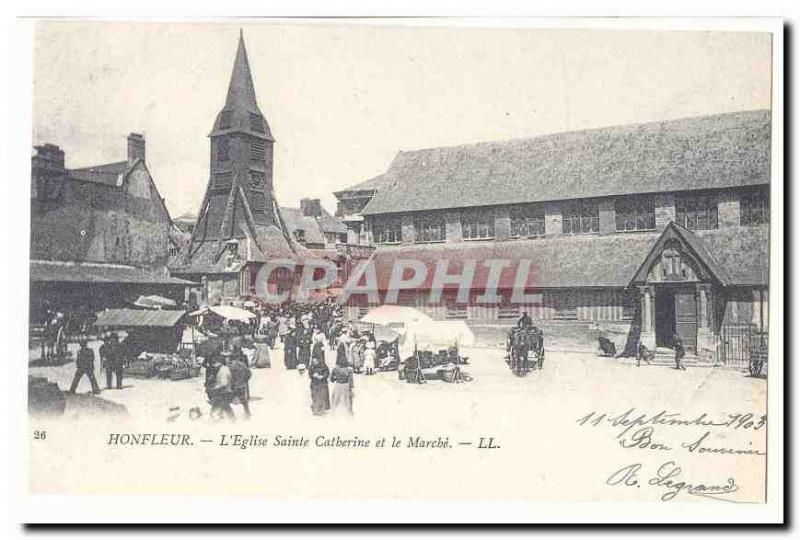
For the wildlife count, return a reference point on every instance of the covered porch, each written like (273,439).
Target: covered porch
(684,293)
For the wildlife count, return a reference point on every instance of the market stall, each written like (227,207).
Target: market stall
(152,342)
(432,351)
(217,320)
(387,344)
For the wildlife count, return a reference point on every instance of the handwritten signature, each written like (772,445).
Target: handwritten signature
(668,477)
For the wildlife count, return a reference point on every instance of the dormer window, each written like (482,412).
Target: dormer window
(300,235)
(225,120)
(256,123)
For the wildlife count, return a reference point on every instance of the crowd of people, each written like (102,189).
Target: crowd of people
(304,332)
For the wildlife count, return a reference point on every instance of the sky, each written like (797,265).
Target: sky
(342,98)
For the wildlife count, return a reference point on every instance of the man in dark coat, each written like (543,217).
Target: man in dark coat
(290,350)
(524,321)
(84,365)
(112,358)
(240,381)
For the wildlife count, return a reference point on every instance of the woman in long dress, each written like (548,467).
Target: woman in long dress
(290,350)
(261,355)
(303,346)
(342,388)
(318,372)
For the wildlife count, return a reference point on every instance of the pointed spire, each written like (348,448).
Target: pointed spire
(241,92)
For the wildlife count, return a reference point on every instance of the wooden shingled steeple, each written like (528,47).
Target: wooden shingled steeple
(239,202)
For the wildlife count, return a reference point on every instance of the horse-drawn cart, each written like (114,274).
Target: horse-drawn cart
(525,348)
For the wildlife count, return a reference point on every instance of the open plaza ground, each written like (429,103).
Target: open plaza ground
(532,424)
(570,383)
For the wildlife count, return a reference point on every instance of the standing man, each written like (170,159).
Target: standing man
(290,350)
(240,381)
(524,321)
(111,358)
(220,391)
(84,365)
(680,352)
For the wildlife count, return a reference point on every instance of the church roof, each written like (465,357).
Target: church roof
(241,112)
(706,152)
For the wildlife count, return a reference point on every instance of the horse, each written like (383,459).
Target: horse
(521,344)
(54,339)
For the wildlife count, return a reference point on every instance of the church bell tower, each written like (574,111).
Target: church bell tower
(242,147)
(239,216)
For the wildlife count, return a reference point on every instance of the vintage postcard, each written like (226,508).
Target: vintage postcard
(381,265)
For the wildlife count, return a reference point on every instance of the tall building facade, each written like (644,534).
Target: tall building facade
(240,225)
(643,231)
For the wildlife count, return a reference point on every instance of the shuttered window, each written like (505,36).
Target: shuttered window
(223,180)
(258,151)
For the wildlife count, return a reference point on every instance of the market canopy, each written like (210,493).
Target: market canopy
(391,315)
(382,332)
(433,335)
(154,301)
(226,312)
(139,318)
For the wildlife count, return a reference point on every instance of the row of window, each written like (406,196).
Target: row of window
(258,150)
(579,217)
(591,305)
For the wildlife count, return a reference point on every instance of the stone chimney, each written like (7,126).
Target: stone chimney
(135,147)
(49,159)
(311,207)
